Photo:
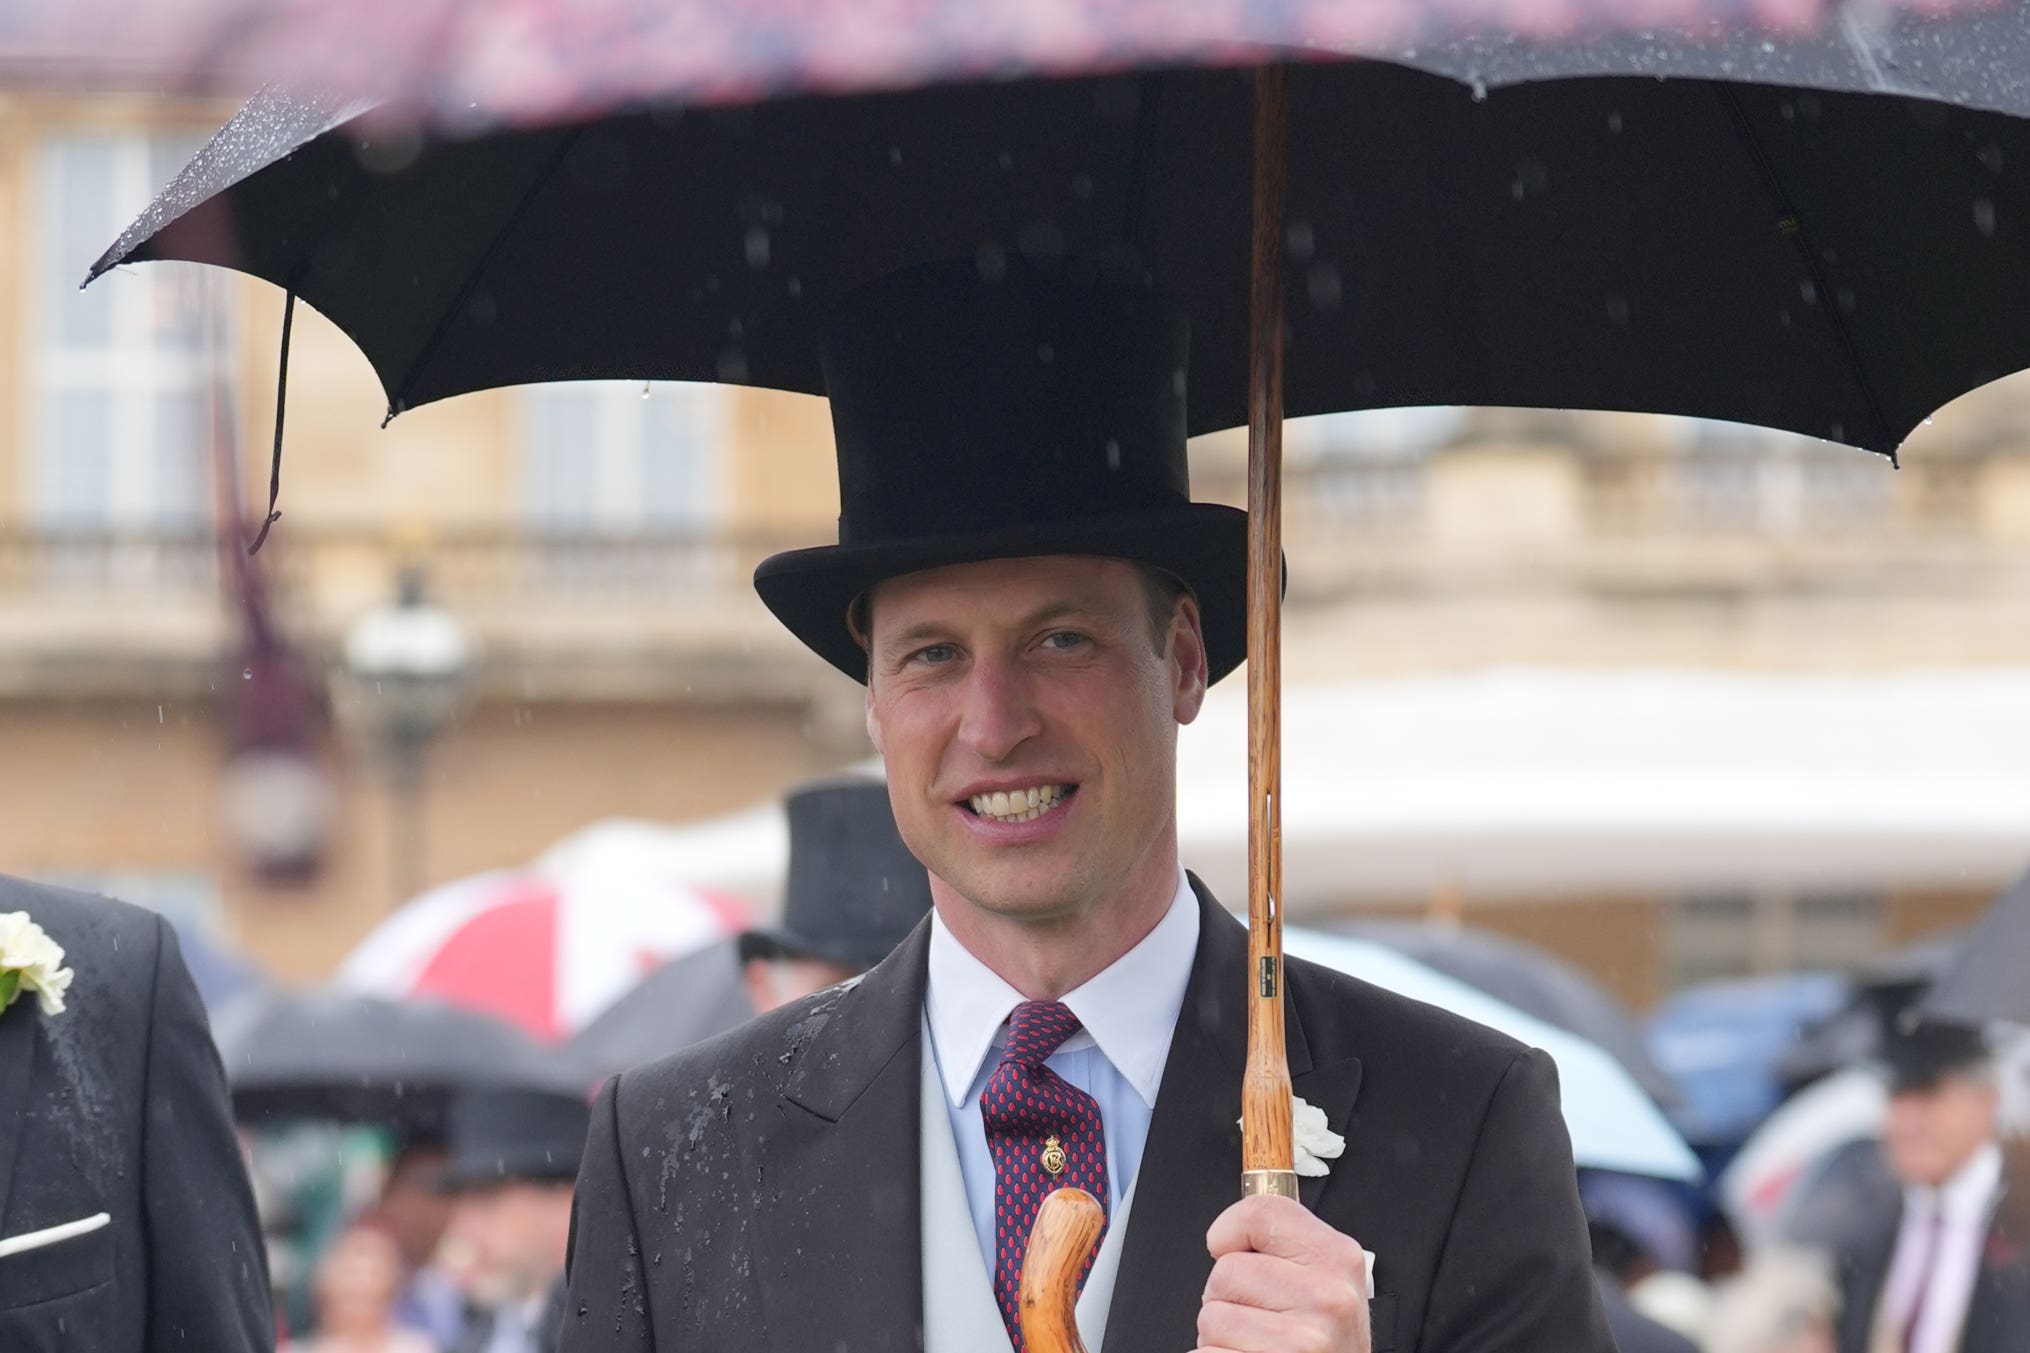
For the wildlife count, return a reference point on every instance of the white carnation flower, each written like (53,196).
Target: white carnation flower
(31,961)
(1314,1139)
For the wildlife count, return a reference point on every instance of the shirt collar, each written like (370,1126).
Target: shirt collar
(1129,1008)
(1966,1196)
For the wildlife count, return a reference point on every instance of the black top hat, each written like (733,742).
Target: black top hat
(1916,1051)
(1031,408)
(854,889)
(499,1135)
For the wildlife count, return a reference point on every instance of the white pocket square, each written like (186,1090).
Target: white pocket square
(53,1235)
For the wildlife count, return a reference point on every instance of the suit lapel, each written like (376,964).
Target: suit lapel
(17,1065)
(844,1159)
(1192,1162)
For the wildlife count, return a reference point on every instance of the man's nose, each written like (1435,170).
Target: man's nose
(1000,711)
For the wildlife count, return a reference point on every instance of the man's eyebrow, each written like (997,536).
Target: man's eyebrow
(937,630)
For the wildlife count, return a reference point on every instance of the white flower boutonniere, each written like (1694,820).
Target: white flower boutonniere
(30,961)
(1314,1139)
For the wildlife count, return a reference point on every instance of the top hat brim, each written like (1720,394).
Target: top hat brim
(1203,544)
(463,1175)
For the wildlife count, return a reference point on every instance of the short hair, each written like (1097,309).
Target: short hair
(1161,591)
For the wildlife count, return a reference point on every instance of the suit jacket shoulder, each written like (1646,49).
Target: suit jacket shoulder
(118,1106)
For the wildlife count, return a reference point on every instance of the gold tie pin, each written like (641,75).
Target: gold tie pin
(1053,1157)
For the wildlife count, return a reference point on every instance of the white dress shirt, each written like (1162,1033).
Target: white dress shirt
(1128,1011)
(1963,1208)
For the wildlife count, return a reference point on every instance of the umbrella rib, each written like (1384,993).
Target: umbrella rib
(1801,236)
(399,400)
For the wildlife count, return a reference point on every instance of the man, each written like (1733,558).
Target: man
(126,1221)
(416,1212)
(1930,1271)
(853,893)
(1036,605)
(513,1153)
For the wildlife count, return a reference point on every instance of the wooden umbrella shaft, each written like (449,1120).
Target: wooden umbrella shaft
(1266,1154)
(1070,1219)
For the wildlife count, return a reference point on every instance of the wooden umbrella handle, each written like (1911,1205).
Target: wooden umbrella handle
(1070,1220)
(1066,1226)
(1267,1158)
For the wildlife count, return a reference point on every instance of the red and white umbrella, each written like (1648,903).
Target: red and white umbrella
(544,949)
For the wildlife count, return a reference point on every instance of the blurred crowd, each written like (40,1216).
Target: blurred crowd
(1864,1186)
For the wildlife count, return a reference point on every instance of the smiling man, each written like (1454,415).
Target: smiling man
(1036,607)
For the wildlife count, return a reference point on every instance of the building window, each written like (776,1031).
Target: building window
(1367,468)
(125,371)
(622,483)
(620,458)
(1721,935)
(1734,478)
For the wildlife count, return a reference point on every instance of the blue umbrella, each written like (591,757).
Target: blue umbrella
(1725,1043)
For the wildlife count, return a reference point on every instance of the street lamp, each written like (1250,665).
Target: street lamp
(409,667)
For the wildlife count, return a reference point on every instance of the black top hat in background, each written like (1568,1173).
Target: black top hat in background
(1916,1051)
(506,1134)
(1031,406)
(854,890)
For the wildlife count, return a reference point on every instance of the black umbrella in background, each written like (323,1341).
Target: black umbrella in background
(365,1059)
(1532,980)
(1852,1032)
(1988,977)
(685,1001)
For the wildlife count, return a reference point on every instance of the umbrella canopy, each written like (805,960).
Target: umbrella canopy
(1725,1044)
(685,1001)
(1613,1123)
(458,60)
(359,1058)
(1829,262)
(1534,981)
(1988,976)
(1852,1031)
(544,951)
(1761,1182)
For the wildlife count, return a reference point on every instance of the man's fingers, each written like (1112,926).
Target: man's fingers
(1261,1280)
(1221,1324)
(1282,1227)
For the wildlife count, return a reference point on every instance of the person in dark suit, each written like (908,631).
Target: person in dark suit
(514,1151)
(1036,606)
(1930,1267)
(852,894)
(126,1221)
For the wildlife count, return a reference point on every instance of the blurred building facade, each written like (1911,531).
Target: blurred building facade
(597,540)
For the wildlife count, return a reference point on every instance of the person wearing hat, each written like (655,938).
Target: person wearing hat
(1035,606)
(854,892)
(514,1152)
(1927,1272)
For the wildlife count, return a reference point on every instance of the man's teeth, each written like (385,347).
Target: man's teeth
(1019,805)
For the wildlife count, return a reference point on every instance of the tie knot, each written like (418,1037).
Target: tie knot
(1036,1029)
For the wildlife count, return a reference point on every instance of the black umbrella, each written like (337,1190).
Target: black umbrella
(1988,976)
(1532,980)
(355,1058)
(1833,262)
(685,1001)
(1852,1033)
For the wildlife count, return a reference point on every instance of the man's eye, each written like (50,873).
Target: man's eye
(1064,639)
(934,654)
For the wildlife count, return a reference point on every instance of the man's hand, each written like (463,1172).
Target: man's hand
(1282,1282)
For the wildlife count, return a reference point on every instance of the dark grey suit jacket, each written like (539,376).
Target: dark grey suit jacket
(1998,1312)
(760,1191)
(118,1105)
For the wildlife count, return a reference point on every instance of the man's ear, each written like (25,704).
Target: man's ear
(873,723)
(1187,660)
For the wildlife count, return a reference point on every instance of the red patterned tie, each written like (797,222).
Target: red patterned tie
(1044,1135)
